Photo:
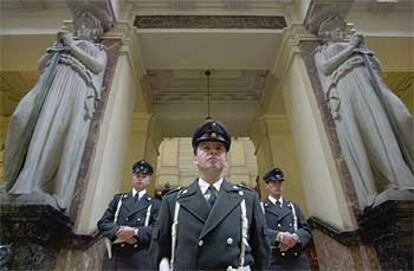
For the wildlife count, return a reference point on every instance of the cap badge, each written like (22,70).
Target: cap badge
(213,135)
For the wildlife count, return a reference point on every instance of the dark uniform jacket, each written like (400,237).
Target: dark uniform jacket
(133,214)
(210,239)
(281,219)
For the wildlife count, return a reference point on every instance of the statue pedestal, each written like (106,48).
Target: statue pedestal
(31,236)
(389,227)
(40,237)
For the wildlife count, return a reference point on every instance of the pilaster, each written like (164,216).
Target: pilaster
(279,148)
(260,139)
(168,167)
(143,143)
(355,248)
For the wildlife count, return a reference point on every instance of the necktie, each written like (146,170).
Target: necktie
(136,197)
(212,198)
(278,203)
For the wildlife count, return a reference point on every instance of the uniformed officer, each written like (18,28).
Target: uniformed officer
(211,224)
(288,230)
(127,223)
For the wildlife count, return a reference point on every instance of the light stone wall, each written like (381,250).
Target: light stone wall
(143,143)
(110,156)
(275,147)
(324,194)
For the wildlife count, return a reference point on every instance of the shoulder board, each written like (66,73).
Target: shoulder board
(245,187)
(173,191)
(120,195)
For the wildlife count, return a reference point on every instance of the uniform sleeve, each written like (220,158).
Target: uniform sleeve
(161,236)
(145,232)
(272,234)
(259,239)
(106,225)
(304,231)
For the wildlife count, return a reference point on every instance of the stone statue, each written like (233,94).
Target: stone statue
(375,129)
(49,128)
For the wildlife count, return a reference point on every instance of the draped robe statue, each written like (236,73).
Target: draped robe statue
(375,129)
(49,128)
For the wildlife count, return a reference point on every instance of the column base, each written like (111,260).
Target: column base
(389,227)
(40,237)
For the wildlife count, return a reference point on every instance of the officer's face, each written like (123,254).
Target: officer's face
(275,188)
(140,181)
(210,155)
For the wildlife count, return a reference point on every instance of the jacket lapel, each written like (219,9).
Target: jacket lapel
(228,199)
(194,202)
(271,208)
(128,202)
(141,204)
(285,210)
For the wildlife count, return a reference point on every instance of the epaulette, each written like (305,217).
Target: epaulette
(245,187)
(120,195)
(174,190)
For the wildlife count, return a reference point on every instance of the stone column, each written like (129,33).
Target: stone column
(43,237)
(274,142)
(260,139)
(382,237)
(239,172)
(143,143)
(328,201)
(127,133)
(168,166)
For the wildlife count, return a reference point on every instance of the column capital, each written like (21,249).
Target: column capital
(267,124)
(125,31)
(276,123)
(131,48)
(147,124)
(289,47)
(259,131)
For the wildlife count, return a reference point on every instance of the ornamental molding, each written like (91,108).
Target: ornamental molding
(289,47)
(209,22)
(209,6)
(190,86)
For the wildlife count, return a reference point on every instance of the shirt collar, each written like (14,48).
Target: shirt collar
(140,194)
(273,200)
(204,185)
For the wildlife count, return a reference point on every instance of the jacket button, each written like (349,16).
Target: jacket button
(138,219)
(126,219)
(229,241)
(135,245)
(279,225)
(290,224)
(200,243)
(122,245)
(283,254)
(296,254)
